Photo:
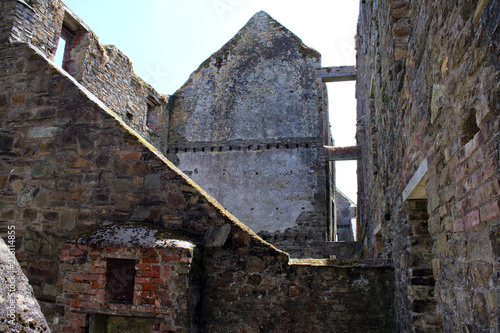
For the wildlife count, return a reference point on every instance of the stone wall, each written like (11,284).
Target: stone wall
(343,217)
(250,120)
(247,127)
(70,165)
(109,74)
(427,91)
(19,309)
(102,69)
(37,22)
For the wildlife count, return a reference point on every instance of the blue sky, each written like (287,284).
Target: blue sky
(168,39)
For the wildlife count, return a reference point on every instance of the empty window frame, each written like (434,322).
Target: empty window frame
(120,280)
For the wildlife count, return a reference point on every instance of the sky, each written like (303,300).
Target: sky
(168,39)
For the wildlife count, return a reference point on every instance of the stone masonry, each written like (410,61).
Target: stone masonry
(72,168)
(428,127)
(111,234)
(247,126)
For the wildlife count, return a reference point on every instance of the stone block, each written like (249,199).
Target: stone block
(256,264)
(6,142)
(24,198)
(43,168)
(4,180)
(437,101)
(68,219)
(153,182)
(217,236)
(42,132)
(42,198)
(472,219)
(17,185)
(490,211)
(130,154)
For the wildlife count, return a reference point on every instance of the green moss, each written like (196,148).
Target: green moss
(127,136)
(222,54)
(172,99)
(152,133)
(306,51)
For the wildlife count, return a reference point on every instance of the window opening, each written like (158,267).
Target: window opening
(345,200)
(71,33)
(59,58)
(120,280)
(153,112)
(342,117)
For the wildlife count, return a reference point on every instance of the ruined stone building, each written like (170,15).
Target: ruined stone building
(214,209)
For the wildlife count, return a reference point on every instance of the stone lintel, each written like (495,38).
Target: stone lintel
(337,73)
(331,153)
(73,22)
(416,186)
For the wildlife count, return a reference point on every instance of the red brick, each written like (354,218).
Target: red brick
(167,328)
(77,323)
(98,270)
(76,304)
(83,297)
(74,315)
(149,260)
(142,280)
(169,258)
(143,267)
(488,170)
(490,211)
(90,277)
(97,285)
(461,172)
(472,219)
(462,206)
(66,258)
(155,267)
(150,274)
(77,277)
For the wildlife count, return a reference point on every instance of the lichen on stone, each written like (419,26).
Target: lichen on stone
(133,235)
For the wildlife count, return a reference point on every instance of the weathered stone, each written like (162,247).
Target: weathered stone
(24,198)
(252,168)
(217,236)
(419,63)
(436,115)
(42,132)
(42,168)
(17,185)
(42,198)
(153,182)
(6,142)
(19,308)
(68,219)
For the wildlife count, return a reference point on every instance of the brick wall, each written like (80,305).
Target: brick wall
(427,90)
(162,287)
